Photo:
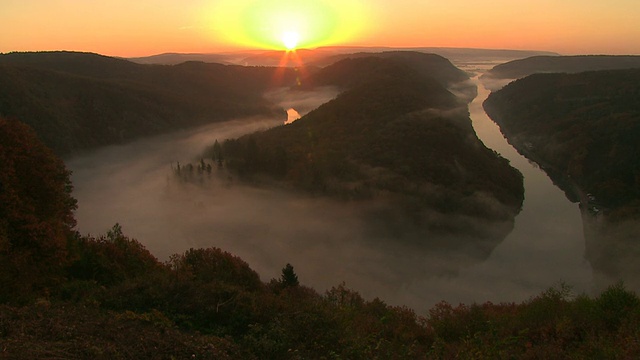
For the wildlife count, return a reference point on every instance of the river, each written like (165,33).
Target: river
(131,184)
(547,244)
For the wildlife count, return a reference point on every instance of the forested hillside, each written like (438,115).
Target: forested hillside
(583,130)
(395,135)
(353,68)
(77,101)
(581,126)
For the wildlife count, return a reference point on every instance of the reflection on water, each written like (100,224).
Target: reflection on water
(292,115)
(547,244)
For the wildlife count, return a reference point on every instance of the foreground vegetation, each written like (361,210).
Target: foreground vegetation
(68,296)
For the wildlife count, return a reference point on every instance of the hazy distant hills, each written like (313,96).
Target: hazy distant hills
(327,55)
(583,126)
(76,101)
(178,58)
(394,135)
(562,64)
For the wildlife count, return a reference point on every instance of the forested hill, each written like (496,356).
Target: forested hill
(352,67)
(393,134)
(584,126)
(77,101)
(562,64)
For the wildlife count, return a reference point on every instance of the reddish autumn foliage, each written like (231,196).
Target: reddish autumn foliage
(36,210)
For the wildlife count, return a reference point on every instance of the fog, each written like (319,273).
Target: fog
(327,242)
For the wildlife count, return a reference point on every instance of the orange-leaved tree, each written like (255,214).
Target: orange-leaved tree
(36,212)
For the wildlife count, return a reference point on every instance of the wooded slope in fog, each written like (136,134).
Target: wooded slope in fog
(77,101)
(394,132)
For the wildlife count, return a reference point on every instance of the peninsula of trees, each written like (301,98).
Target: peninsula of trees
(394,134)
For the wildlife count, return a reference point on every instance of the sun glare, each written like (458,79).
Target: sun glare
(290,39)
(288,24)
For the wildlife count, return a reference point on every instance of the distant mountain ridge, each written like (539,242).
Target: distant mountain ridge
(562,64)
(326,55)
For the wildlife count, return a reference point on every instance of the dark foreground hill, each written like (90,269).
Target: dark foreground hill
(583,130)
(562,64)
(395,137)
(77,101)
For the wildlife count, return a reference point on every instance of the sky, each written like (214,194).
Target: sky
(147,27)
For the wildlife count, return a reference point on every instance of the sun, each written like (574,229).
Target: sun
(287,24)
(290,39)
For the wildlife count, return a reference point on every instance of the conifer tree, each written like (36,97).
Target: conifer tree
(289,277)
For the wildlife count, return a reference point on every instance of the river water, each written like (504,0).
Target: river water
(131,184)
(547,244)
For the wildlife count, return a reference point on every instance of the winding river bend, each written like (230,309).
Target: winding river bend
(547,244)
(131,185)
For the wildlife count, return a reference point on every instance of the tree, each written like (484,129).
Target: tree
(289,277)
(36,210)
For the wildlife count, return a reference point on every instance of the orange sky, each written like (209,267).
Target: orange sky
(146,27)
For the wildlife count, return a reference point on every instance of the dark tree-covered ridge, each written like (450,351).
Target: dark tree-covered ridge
(583,127)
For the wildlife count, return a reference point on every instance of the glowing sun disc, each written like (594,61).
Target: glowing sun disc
(290,39)
(287,24)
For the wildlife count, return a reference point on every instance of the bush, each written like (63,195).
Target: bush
(111,259)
